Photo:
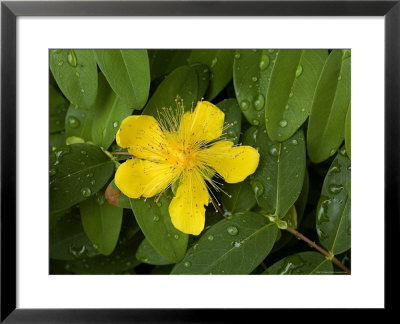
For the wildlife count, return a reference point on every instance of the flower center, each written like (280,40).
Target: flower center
(182,155)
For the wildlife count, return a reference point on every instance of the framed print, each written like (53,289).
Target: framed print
(179,155)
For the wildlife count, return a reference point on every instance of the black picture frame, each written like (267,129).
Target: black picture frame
(11,10)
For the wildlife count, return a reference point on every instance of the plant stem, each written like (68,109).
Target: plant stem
(319,249)
(120,153)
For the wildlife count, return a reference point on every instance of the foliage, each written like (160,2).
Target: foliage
(293,106)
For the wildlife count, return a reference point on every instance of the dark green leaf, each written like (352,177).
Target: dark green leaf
(155,222)
(251,73)
(331,102)
(182,83)
(78,123)
(128,73)
(109,110)
(220,62)
(233,119)
(164,61)
(122,259)
(56,140)
(77,172)
(76,74)
(304,263)
(347,132)
(101,222)
(58,109)
(203,78)
(147,254)
(68,241)
(333,211)
(278,180)
(291,90)
(348,187)
(235,245)
(241,197)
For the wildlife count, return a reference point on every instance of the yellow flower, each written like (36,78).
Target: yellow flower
(185,147)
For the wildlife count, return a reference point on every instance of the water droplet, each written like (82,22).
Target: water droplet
(73,122)
(83,163)
(213,62)
(60,153)
(244,104)
(259,102)
(335,167)
(294,142)
(274,150)
(86,192)
(236,244)
(71,58)
(264,62)
(335,189)
(56,51)
(52,172)
(237,56)
(93,182)
(78,252)
(83,152)
(100,199)
(195,246)
(210,237)
(168,234)
(287,107)
(156,218)
(293,262)
(343,151)
(187,264)
(302,110)
(258,188)
(232,230)
(321,234)
(60,63)
(231,133)
(339,78)
(116,124)
(176,237)
(256,122)
(283,123)
(332,152)
(291,94)
(322,210)
(254,79)
(77,74)
(299,71)
(82,90)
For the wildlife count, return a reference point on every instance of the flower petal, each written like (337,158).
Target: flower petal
(204,124)
(142,136)
(234,164)
(136,178)
(187,207)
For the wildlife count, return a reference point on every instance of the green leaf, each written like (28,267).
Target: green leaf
(241,197)
(348,187)
(304,263)
(233,117)
(68,241)
(76,74)
(220,62)
(58,109)
(122,259)
(164,61)
(155,222)
(56,140)
(333,211)
(278,180)
(147,254)
(301,202)
(291,217)
(291,90)
(78,123)
(182,83)
(203,78)
(128,73)
(77,172)
(101,222)
(331,102)
(235,245)
(251,73)
(108,112)
(347,132)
